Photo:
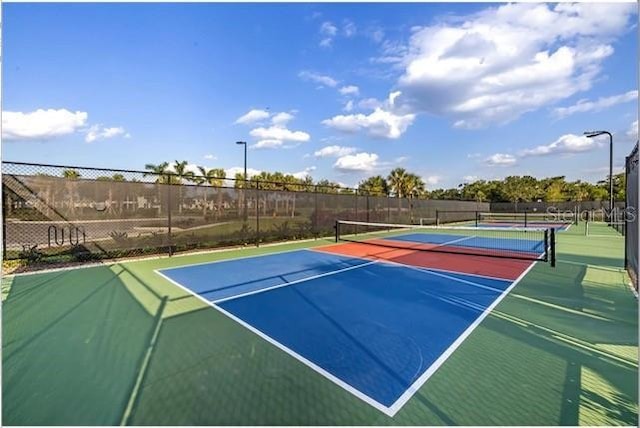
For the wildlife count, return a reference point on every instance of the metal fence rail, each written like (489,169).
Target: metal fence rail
(64,213)
(631,253)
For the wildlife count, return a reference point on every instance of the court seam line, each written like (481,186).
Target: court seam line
(354,391)
(298,281)
(415,387)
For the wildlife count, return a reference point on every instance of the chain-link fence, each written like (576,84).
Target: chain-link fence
(631,236)
(59,213)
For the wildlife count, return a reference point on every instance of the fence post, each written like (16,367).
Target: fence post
(315,215)
(5,199)
(368,215)
(388,209)
(169,240)
(257,213)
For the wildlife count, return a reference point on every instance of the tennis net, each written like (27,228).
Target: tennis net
(536,244)
(526,219)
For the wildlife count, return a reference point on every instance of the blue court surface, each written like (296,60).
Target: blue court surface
(377,329)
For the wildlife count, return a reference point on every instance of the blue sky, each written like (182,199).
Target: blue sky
(453,92)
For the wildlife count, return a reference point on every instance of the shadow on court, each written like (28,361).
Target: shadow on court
(72,346)
(560,349)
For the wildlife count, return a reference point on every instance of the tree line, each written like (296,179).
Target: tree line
(398,183)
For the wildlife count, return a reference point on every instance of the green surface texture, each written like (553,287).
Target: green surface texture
(97,346)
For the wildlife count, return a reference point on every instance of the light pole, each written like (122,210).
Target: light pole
(593,134)
(244,184)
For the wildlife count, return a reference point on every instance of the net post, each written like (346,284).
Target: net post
(477,218)
(526,219)
(546,245)
(337,229)
(437,217)
(553,247)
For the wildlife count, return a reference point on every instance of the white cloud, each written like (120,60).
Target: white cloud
(370,103)
(380,123)
(493,66)
(252,116)
(231,172)
(349,29)
(304,173)
(349,90)
(401,159)
(470,178)
(279,133)
(268,144)
(210,157)
(357,163)
(432,180)
(334,151)
(568,143)
(328,29)
(97,132)
(41,124)
(326,42)
(281,118)
(600,104)
(500,159)
(321,79)
(348,106)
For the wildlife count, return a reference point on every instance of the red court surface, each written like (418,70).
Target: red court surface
(463,263)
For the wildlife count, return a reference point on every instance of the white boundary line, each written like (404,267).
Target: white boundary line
(415,386)
(286,284)
(234,258)
(384,409)
(406,396)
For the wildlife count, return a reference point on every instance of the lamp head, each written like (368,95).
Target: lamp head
(592,134)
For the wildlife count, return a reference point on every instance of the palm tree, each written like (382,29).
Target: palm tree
(292,184)
(214,177)
(181,173)
(374,186)
(160,172)
(71,175)
(397,180)
(414,188)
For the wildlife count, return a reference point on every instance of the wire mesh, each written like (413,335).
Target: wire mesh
(58,214)
(631,213)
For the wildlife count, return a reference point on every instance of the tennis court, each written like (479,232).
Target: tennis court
(384,324)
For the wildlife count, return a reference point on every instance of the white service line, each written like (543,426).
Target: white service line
(454,241)
(415,386)
(286,284)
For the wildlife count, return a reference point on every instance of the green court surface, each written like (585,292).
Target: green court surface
(117,344)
